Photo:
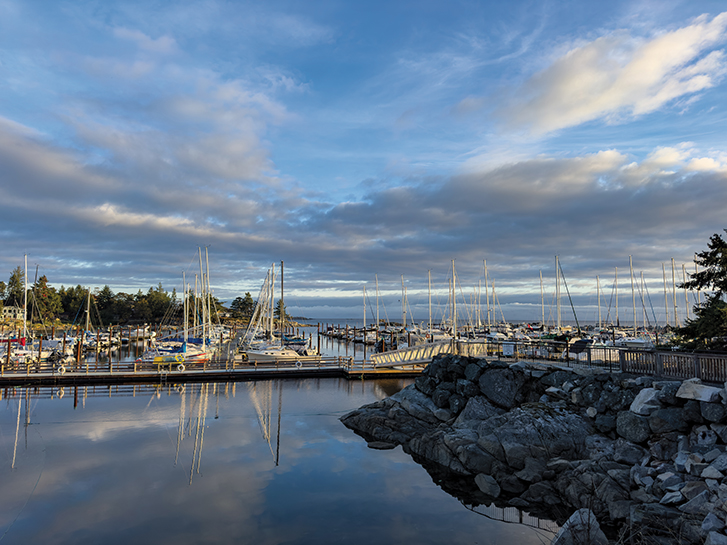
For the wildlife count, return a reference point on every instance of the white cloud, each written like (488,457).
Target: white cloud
(617,75)
(162,44)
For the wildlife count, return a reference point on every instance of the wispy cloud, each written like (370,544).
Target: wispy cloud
(617,77)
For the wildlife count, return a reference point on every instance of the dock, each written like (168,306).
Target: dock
(216,370)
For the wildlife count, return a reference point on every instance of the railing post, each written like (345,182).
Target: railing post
(622,361)
(659,365)
(697,367)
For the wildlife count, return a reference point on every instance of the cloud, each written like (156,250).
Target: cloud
(162,44)
(618,77)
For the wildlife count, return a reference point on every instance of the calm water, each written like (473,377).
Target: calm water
(264,463)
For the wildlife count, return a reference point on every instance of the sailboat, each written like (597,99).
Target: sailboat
(195,345)
(259,343)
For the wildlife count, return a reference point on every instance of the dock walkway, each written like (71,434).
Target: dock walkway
(89,373)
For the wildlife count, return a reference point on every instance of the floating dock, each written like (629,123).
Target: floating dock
(92,373)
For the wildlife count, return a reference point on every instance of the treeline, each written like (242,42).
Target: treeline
(46,304)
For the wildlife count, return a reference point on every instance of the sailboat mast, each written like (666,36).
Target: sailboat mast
(487,296)
(429,291)
(364,314)
(666,298)
(618,323)
(202,290)
(282,303)
(674,294)
(557,293)
(598,292)
(542,302)
(686,297)
(25,303)
(633,293)
(378,322)
(185,307)
(454,302)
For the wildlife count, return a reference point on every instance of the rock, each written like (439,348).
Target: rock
(487,485)
(720,463)
(591,412)
(627,453)
(667,420)
(472,372)
(632,427)
(672,498)
(441,396)
(541,492)
(693,412)
(697,505)
(715,538)
(646,402)
(712,412)
(532,472)
(710,472)
(502,387)
(667,391)
(694,389)
(381,445)
(692,489)
(581,527)
(605,423)
(475,412)
(456,403)
(712,523)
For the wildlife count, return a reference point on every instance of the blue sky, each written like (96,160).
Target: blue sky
(355,140)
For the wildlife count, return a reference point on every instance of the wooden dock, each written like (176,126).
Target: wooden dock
(222,370)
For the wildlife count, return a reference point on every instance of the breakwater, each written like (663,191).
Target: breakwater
(646,456)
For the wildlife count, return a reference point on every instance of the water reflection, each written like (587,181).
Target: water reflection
(266,462)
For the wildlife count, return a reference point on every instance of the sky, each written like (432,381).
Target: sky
(365,141)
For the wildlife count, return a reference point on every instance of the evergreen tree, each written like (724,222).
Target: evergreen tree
(708,330)
(15,288)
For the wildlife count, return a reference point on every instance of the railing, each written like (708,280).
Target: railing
(33,368)
(675,365)
(544,350)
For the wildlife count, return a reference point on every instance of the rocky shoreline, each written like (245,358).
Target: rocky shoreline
(647,457)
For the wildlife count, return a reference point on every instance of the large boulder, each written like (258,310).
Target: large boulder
(632,427)
(502,387)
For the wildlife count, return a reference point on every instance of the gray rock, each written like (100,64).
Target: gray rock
(627,453)
(581,527)
(720,430)
(646,402)
(715,538)
(487,485)
(720,463)
(680,460)
(671,498)
(532,472)
(605,423)
(502,387)
(474,458)
(710,472)
(541,492)
(692,489)
(472,372)
(712,412)
(712,523)
(632,427)
(667,420)
(699,505)
(441,396)
(667,391)
(477,410)
(694,389)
